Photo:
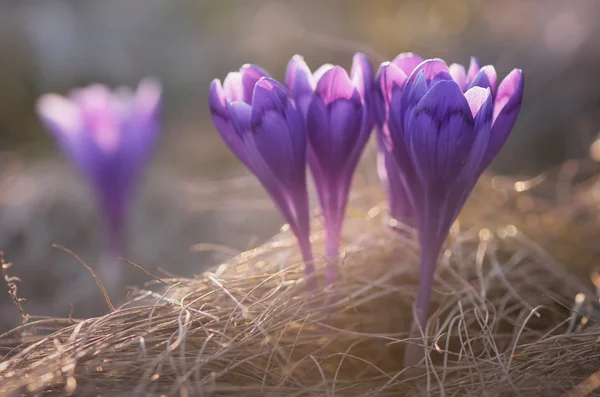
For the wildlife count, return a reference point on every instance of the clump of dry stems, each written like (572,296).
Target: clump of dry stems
(502,323)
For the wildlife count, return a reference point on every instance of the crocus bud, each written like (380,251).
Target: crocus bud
(262,125)
(109,137)
(442,140)
(339,120)
(237,86)
(390,81)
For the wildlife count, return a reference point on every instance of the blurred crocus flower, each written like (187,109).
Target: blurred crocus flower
(390,81)
(442,140)
(339,119)
(263,127)
(109,136)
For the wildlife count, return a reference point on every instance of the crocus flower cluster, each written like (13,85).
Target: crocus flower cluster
(109,137)
(439,128)
(322,118)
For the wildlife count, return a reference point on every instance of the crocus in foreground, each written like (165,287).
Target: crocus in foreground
(339,119)
(109,136)
(443,134)
(390,79)
(263,127)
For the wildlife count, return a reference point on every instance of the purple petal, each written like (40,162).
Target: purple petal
(474,68)
(147,97)
(335,84)
(433,70)
(221,118)
(416,86)
(458,73)
(238,86)
(276,147)
(278,131)
(334,119)
(389,78)
(233,89)
(506,108)
(390,82)
(102,115)
(64,119)
(60,114)
(510,91)
(250,76)
(145,116)
(403,101)
(391,178)
(407,62)
(299,81)
(482,101)
(321,71)
(240,115)
(486,78)
(425,75)
(476,97)
(362,75)
(440,133)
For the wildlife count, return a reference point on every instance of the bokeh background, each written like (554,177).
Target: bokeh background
(196,206)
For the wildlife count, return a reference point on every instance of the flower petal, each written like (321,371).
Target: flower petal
(362,76)
(238,86)
(458,73)
(219,112)
(434,70)
(482,100)
(60,114)
(390,82)
(278,130)
(474,68)
(321,71)
(299,81)
(476,97)
(147,97)
(139,126)
(334,120)
(233,88)
(240,114)
(407,62)
(425,75)
(439,134)
(506,109)
(390,175)
(486,78)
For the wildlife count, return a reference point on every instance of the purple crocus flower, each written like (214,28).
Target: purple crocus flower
(339,119)
(109,136)
(390,79)
(263,127)
(443,134)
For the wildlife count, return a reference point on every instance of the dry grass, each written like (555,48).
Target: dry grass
(501,324)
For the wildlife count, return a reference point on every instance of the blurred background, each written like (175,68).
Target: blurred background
(186,218)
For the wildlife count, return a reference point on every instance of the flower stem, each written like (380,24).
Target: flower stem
(307,256)
(428,260)
(332,251)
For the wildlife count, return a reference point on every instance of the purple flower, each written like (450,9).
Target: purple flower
(109,136)
(339,119)
(262,125)
(390,80)
(442,139)
(237,86)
